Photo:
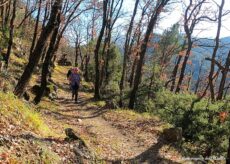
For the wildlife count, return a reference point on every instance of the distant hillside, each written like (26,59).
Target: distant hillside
(205,49)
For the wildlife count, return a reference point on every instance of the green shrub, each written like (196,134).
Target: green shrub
(201,124)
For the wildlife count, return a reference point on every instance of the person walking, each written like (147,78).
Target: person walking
(75,79)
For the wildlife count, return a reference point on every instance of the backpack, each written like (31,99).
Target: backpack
(75,79)
(69,73)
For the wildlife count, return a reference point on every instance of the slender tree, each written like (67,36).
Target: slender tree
(126,48)
(224,72)
(191,19)
(11,38)
(39,48)
(199,78)
(96,52)
(217,40)
(46,64)
(153,20)
(36,27)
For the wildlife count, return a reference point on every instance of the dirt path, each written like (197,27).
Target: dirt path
(107,140)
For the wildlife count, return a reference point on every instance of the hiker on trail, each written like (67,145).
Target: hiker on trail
(74,79)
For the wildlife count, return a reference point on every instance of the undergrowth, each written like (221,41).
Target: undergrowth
(21,114)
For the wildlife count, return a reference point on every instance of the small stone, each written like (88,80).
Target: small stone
(172,134)
(18,154)
(79,120)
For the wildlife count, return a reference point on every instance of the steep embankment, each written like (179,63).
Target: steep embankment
(24,135)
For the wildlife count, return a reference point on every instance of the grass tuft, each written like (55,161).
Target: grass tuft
(22,114)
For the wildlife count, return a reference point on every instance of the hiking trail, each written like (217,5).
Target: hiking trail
(110,139)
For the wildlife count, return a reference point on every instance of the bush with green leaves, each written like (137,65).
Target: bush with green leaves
(202,125)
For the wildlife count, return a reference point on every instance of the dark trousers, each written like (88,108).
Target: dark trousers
(75,91)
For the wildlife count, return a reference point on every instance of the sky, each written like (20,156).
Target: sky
(209,29)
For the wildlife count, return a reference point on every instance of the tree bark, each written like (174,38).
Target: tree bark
(191,19)
(36,28)
(223,79)
(217,40)
(77,46)
(96,52)
(8,8)
(174,73)
(132,75)
(199,78)
(152,23)
(39,48)
(47,62)
(228,153)
(11,39)
(126,48)
(86,74)
(137,38)
(46,14)
(2,12)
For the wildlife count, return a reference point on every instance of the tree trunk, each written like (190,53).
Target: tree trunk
(39,48)
(36,28)
(226,90)
(82,58)
(132,75)
(182,74)
(191,19)
(46,14)
(2,15)
(25,14)
(96,52)
(86,74)
(152,23)
(228,153)
(106,72)
(190,80)
(46,64)
(10,43)
(138,35)
(224,77)
(76,53)
(199,78)
(126,48)
(175,70)
(150,85)
(217,40)
(8,8)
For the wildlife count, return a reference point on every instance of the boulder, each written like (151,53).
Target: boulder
(173,134)
(52,96)
(71,135)
(80,149)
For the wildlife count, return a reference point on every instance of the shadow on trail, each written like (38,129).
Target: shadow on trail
(70,106)
(61,86)
(152,154)
(149,156)
(64,101)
